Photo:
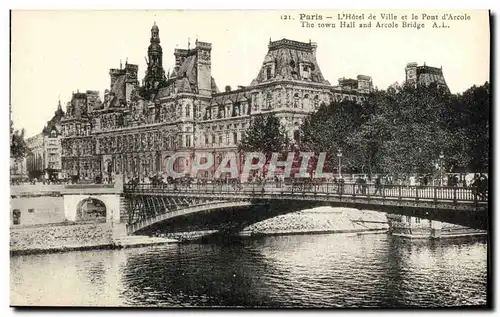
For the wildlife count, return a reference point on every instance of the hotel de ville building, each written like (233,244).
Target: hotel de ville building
(137,127)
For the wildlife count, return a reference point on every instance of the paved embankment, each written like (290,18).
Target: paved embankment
(321,220)
(63,237)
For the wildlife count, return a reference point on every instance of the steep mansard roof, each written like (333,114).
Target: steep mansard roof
(118,90)
(287,56)
(184,78)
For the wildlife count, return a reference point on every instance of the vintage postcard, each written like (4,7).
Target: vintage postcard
(270,159)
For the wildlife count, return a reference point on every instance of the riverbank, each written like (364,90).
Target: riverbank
(57,238)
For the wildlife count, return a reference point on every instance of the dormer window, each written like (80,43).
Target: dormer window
(53,134)
(269,69)
(305,70)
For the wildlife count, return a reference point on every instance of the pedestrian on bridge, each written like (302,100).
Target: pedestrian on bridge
(483,187)
(378,185)
(359,183)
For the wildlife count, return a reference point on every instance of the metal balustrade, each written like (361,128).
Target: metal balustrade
(435,193)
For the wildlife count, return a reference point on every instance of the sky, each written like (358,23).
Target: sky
(55,53)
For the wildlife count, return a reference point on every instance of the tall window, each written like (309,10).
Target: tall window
(296,100)
(316,102)
(269,101)
(269,73)
(305,102)
(188,111)
(235,138)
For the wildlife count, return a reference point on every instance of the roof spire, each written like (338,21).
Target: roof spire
(189,42)
(120,64)
(59,103)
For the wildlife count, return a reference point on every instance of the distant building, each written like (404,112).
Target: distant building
(45,157)
(425,75)
(78,145)
(353,89)
(138,127)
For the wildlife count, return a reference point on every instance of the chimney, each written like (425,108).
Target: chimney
(228,88)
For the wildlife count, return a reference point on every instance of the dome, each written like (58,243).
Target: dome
(155,27)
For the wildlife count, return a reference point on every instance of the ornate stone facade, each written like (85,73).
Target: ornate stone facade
(137,128)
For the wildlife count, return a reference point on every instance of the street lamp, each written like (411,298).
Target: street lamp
(441,157)
(339,155)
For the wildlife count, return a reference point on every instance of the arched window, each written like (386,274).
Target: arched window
(269,72)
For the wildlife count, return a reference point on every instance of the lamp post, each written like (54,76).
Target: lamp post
(339,155)
(441,157)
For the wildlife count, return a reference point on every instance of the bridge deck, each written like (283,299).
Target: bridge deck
(151,203)
(401,192)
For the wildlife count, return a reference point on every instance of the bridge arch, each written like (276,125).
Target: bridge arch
(91,209)
(249,212)
(206,207)
(76,203)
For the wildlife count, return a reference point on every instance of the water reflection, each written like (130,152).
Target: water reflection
(296,271)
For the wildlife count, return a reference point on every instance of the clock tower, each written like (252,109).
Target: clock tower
(155,74)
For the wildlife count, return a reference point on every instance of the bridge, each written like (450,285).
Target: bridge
(151,205)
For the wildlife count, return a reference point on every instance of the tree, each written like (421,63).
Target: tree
(404,129)
(475,109)
(330,129)
(266,135)
(18,146)
(417,133)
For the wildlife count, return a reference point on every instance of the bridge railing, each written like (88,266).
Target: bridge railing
(355,190)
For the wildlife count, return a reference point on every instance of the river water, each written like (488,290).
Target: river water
(332,270)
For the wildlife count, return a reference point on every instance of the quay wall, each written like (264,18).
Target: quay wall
(51,238)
